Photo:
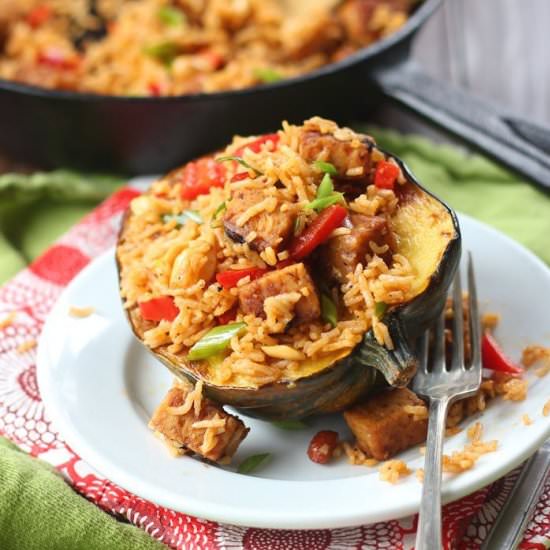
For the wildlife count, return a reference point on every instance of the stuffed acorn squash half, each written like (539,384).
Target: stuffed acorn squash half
(290,272)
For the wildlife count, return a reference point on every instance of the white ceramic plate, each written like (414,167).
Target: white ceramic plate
(100,387)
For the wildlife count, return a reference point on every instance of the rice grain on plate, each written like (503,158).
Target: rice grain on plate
(80,312)
(537,355)
(460,461)
(393,470)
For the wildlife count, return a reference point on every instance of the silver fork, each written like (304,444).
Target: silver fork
(443,386)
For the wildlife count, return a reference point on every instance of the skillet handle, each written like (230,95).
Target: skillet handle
(521,145)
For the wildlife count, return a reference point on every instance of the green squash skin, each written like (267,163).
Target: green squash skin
(331,390)
(351,378)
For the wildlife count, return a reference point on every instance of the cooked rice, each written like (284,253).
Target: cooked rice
(193,400)
(393,470)
(526,420)
(162,259)
(198,46)
(537,355)
(357,457)
(80,312)
(489,321)
(475,431)
(213,427)
(546,409)
(510,388)
(8,320)
(26,346)
(460,461)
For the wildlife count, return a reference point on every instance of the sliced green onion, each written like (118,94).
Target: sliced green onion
(290,424)
(267,75)
(218,211)
(252,463)
(325,167)
(326,187)
(171,16)
(192,215)
(241,161)
(165,52)
(321,204)
(214,341)
(380,309)
(325,195)
(328,310)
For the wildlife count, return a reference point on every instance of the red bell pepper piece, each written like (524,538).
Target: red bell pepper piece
(155,89)
(38,16)
(230,278)
(385,175)
(494,358)
(256,145)
(199,176)
(227,317)
(317,232)
(240,176)
(158,309)
(58,59)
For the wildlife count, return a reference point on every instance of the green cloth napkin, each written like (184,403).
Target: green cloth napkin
(40,511)
(36,209)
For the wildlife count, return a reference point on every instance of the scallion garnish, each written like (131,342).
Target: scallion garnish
(326,196)
(171,16)
(165,52)
(325,167)
(380,309)
(321,204)
(252,463)
(267,75)
(326,187)
(241,161)
(217,212)
(289,424)
(328,310)
(192,215)
(214,341)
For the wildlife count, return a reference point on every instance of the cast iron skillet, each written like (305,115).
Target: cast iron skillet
(152,135)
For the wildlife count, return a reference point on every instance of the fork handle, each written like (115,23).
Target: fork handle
(428,536)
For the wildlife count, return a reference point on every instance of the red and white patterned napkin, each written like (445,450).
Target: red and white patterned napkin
(23,419)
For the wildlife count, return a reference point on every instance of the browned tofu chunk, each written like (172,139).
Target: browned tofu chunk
(190,432)
(342,254)
(293,278)
(343,154)
(357,16)
(271,228)
(384,424)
